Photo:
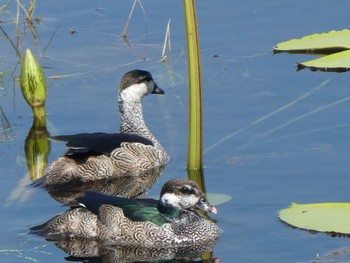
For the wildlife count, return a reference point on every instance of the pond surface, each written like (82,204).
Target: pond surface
(298,154)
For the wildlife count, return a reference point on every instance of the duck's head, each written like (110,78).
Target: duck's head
(137,83)
(184,194)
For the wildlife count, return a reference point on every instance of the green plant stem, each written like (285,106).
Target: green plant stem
(40,114)
(194,158)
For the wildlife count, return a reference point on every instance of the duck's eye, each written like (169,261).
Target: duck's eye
(185,190)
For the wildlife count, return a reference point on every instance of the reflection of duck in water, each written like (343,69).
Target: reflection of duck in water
(170,221)
(91,251)
(101,155)
(126,186)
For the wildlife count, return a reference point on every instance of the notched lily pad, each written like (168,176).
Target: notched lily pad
(324,43)
(320,217)
(338,62)
(336,43)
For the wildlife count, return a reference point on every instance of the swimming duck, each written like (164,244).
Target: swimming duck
(169,221)
(101,155)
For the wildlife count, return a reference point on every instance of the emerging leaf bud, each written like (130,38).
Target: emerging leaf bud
(32,81)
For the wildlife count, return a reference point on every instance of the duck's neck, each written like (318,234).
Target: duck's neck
(169,212)
(132,122)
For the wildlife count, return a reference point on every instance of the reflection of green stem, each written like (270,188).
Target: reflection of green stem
(37,148)
(9,39)
(5,126)
(4,7)
(194,158)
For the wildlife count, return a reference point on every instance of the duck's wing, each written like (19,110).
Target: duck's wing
(97,143)
(140,210)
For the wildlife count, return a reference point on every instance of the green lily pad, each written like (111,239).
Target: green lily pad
(218,199)
(324,43)
(320,217)
(336,43)
(338,62)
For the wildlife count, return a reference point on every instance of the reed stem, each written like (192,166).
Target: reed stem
(194,157)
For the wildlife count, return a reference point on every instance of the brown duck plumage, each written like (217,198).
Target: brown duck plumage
(99,155)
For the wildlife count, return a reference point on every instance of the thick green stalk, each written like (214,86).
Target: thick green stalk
(194,158)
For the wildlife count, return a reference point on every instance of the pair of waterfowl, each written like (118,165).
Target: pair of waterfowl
(169,221)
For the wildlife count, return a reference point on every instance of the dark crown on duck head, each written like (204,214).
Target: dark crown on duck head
(184,194)
(138,76)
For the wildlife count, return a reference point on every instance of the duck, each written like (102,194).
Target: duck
(95,156)
(171,221)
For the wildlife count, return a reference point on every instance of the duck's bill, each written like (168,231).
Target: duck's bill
(157,90)
(204,205)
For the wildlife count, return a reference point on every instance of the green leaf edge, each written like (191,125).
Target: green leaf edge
(335,205)
(327,40)
(338,62)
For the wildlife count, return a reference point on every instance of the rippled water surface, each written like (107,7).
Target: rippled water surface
(261,153)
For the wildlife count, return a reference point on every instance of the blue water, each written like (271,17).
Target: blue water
(299,154)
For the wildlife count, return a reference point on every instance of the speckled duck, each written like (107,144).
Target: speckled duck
(169,221)
(101,155)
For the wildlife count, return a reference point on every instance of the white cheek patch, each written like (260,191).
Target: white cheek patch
(180,202)
(189,201)
(169,199)
(134,92)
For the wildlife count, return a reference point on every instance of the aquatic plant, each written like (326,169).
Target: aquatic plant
(334,49)
(33,84)
(34,90)
(194,156)
(334,44)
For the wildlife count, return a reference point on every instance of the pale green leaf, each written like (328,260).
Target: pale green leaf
(338,62)
(218,199)
(330,42)
(320,217)
(337,42)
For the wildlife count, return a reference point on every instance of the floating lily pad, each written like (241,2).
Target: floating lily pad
(325,43)
(218,199)
(336,43)
(338,62)
(320,217)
